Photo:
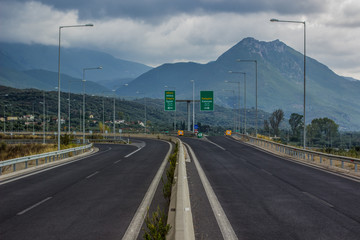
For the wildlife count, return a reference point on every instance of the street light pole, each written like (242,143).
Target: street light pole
(59,109)
(301,22)
(83,80)
(193,120)
(244,73)
(256,90)
(234,128)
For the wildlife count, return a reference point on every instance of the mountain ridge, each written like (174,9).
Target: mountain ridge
(280,82)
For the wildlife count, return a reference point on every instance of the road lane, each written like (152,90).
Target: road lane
(265,197)
(95,198)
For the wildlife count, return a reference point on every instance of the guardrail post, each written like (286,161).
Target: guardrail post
(37,161)
(26,164)
(320,159)
(342,164)
(330,162)
(14,167)
(0,170)
(356,168)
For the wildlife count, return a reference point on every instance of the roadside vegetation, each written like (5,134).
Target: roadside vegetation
(156,225)
(10,151)
(322,134)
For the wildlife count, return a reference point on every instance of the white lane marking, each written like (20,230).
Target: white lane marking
(318,199)
(226,229)
(207,140)
(91,175)
(266,172)
(49,168)
(117,161)
(133,152)
(34,206)
(317,167)
(134,228)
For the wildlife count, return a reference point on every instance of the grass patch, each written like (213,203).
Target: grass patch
(9,151)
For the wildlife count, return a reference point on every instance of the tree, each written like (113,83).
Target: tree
(275,119)
(266,126)
(322,131)
(296,123)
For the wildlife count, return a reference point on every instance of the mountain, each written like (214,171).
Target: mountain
(21,57)
(46,80)
(280,82)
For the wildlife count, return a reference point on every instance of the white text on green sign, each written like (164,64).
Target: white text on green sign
(170,101)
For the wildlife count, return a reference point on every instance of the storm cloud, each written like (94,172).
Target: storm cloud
(156,32)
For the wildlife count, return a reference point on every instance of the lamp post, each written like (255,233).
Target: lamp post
(5,95)
(144,109)
(69,99)
(114,113)
(256,90)
(228,90)
(193,120)
(301,22)
(238,82)
(59,110)
(83,80)
(44,116)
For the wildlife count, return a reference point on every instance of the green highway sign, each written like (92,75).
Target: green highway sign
(170,102)
(206,101)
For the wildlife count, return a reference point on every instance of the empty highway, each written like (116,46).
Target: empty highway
(95,197)
(266,197)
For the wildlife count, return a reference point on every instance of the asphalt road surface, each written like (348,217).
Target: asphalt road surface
(266,197)
(93,198)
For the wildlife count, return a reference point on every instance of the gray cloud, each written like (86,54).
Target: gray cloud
(153,10)
(156,32)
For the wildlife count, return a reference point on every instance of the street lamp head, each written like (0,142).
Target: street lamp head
(89,25)
(230,71)
(192,80)
(226,81)
(274,20)
(100,67)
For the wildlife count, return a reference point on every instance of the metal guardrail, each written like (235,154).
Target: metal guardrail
(303,154)
(46,157)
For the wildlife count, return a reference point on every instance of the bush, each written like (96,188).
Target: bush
(157,227)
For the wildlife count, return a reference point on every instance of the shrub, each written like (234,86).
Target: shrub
(157,227)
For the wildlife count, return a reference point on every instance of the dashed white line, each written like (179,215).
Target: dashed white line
(117,161)
(133,152)
(318,199)
(266,172)
(91,175)
(34,206)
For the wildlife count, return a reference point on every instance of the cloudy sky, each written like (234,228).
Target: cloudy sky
(154,32)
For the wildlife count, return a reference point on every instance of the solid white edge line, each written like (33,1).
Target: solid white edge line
(34,206)
(207,140)
(49,168)
(224,224)
(317,167)
(134,228)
